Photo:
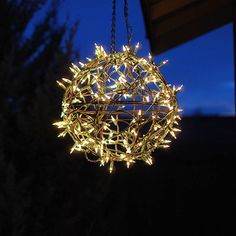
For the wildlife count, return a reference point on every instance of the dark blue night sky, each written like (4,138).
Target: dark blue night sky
(204,65)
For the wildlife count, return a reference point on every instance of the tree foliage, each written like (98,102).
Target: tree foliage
(40,187)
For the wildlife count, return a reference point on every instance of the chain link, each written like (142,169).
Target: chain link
(113,25)
(128,26)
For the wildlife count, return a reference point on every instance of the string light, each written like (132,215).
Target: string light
(118,108)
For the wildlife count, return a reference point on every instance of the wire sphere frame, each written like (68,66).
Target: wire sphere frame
(118,107)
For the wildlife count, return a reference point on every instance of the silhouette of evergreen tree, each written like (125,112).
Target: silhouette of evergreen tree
(42,191)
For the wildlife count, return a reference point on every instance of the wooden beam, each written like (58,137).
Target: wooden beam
(189,30)
(145,4)
(188,23)
(170,23)
(201,10)
(163,8)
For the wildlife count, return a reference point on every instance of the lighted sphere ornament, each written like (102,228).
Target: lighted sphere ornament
(118,108)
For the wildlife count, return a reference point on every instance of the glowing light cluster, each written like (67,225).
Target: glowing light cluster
(118,107)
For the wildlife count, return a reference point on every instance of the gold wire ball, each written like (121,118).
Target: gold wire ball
(118,107)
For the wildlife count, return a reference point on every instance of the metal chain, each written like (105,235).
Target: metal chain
(113,27)
(128,26)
